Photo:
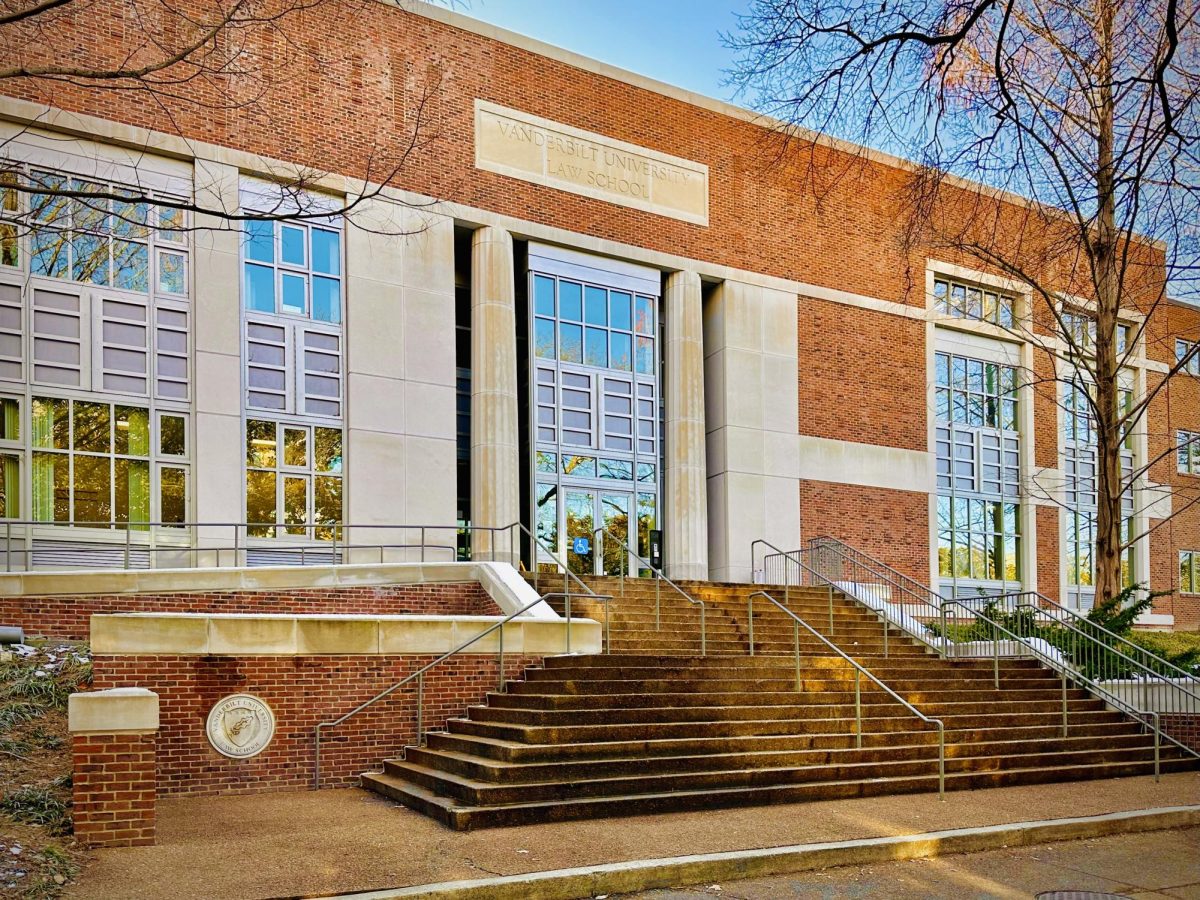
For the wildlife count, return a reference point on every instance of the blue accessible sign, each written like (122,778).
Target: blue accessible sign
(580,546)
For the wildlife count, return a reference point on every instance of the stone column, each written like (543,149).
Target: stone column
(219,457)
(495,457)
(685,514)
(753,424)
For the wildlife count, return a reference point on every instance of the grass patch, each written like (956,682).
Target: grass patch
(1181,647)
(37,805)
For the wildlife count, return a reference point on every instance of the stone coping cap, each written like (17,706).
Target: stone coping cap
(127,710)
(274,634)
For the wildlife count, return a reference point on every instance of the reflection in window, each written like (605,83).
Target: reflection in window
(293,479)
(294,269)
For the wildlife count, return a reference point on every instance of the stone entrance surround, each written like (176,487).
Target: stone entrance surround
(308,668)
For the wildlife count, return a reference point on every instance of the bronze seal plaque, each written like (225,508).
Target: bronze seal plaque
(240,726)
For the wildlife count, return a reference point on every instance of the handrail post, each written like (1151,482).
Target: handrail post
(946,644)
(607,628)
(1157,743)
(1064,701)
(420,708)
(829,591)
(501,657)
(750,621)
(422,543)
(8,546)
(317,757)
(995,656)
(941,761)
(568,604)
(858,708)
(236,546)
(796,644)
(128,529)
(657,603)
(703,634)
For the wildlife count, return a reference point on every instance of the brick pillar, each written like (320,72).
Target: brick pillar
(113,738)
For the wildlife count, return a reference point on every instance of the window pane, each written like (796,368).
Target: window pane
(327,504)
(260,288)
(645,315)
(132,431)
(172,272)
(10,487)
(49,253)
(543,294)
(327,450)
(596,306)
(543,338)
(547,462)
(295,504)
(570,342)
(93,431)
(570,301)
(621,351)
(172,495)
(10,246)
(260,444)
(89,259)
(131,265)
(291,245)
(293,293)
(50,426)
(260,503)
(173,436)
(51,487)
(93,488)
(597,347)
(326,251)
(645,355)
(546,516)
(295,447)
(260,241)
(132,478)
(327,299)
(10,419)
(583,466)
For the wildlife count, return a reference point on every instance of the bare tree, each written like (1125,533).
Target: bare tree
(185,64)
(1087,108)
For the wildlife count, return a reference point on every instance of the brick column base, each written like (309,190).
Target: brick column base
(114,735)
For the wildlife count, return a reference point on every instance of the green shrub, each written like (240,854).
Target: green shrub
(37,805)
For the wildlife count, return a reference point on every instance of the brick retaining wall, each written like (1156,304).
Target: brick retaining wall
(67,616)
(301,691)
(113,789)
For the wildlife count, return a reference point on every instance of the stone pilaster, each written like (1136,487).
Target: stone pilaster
(495,459)
(685,519)
(753,424)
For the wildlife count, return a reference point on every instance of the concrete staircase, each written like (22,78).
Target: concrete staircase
(653,726)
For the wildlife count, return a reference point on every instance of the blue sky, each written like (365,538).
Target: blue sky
(676,41)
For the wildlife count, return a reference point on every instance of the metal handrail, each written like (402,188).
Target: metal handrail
(1061,613)
(802,568)
(917,601)
(660,577)
(859,671)
(419,677)
(1059,663)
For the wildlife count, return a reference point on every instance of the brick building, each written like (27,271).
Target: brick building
(588,300)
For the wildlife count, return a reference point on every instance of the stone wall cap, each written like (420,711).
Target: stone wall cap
(124,710)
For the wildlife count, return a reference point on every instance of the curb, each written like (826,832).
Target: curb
(676,871)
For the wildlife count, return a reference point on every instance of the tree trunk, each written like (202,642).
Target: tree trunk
(1108,305)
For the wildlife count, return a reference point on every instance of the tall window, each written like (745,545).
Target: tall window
(1081,493)
(978,472)
(294,269)
(956,298)
(1188,350)
(1082,328)
(1187,452)
(293,479)
(1189,571)
(98,464)
(596,408)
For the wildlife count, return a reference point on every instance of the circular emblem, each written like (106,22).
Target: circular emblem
(240,726)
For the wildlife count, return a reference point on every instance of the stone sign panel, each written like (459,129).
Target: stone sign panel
(544,152)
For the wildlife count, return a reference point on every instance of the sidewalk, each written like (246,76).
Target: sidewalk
(1161,865)
(297,844)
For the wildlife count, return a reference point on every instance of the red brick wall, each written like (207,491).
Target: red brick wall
(301,691)
(113,789)
(68,616)
(890,525)
(1184,728)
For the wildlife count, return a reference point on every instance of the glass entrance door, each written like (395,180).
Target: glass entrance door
(580,510)
(614,516)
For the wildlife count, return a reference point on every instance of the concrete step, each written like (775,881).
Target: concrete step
(464,817)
